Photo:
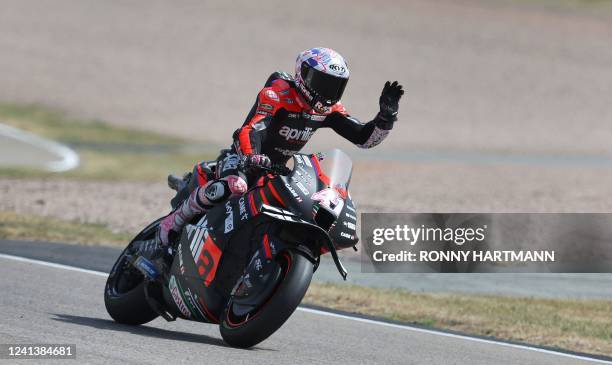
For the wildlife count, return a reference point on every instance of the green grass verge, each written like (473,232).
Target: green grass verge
(54,124)
(107,152)
(578,325)
(16,226)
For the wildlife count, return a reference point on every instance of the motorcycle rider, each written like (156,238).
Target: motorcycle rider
(287,112)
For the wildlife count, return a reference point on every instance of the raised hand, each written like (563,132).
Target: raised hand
(389,101)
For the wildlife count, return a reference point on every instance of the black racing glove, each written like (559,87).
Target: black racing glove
(257,161)
(389,101)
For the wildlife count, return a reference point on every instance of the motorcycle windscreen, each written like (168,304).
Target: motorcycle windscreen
(338,167)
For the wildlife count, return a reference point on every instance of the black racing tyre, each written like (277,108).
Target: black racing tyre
(245,332)
(124,295)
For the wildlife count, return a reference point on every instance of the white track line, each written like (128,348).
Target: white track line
(52,264)
(69,158)
(343,316)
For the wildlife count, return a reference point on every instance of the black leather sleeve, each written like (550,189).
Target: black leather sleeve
(364,135)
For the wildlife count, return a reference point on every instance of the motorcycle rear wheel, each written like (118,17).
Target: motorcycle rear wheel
(247,331)
(124,295)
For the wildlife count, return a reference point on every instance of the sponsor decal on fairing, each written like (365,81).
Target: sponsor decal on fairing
(229,219)
(242,208)
(347,235)
(349,225)
(178,299)
(348,215)
(192,303)
(198,242)
(180,255)
(293,192)
(302,188)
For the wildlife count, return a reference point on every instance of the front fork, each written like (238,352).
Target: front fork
(261,275)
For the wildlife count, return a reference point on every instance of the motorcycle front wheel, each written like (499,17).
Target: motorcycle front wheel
(247,330)
(124,295)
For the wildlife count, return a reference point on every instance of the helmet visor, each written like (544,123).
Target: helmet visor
(329,87)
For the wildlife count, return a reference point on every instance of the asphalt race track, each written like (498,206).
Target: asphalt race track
(43,302)
(549,285)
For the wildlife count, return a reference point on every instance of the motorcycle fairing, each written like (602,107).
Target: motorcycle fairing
(295,191)
(299,228)
(193,263)
(211,251)
(209,260)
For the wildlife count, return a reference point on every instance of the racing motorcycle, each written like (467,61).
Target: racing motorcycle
(246,264)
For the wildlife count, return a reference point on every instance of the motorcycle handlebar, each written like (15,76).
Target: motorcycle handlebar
(275,169)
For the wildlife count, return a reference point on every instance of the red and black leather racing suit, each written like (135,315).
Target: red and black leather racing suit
(280,123)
